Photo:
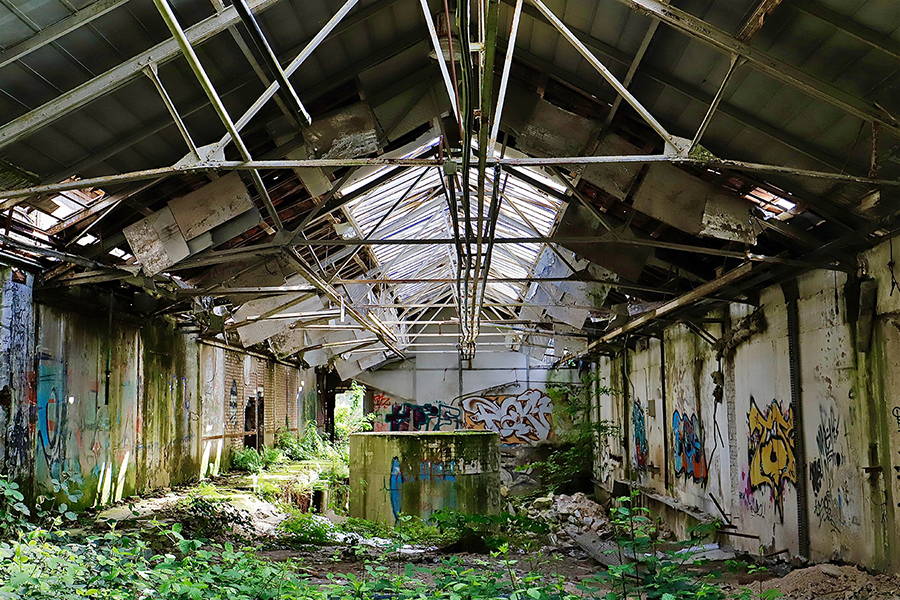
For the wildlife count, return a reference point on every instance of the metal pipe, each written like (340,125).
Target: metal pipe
(288,94)
(10,196)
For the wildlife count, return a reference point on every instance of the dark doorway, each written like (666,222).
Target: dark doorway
(253,422)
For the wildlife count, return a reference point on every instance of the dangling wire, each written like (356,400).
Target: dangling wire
(894,283)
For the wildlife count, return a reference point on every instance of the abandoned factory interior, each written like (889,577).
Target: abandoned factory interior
(450,299)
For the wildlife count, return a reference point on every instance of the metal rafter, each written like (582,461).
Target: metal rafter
(764,62)
(50,34)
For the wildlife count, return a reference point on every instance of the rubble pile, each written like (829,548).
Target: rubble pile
(569,515)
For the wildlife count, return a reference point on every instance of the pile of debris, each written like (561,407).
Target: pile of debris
(569,515)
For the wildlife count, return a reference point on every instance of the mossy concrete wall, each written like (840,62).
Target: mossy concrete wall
(418,473)
(816,472)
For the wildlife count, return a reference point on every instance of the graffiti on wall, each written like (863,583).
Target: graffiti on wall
(518,419)
(233,411)
(831,499)
(381,402)
(639,426)
(689,447)
(748,498)
(51,412)
(896,413)
(770,450)
(437,474)
(423,417)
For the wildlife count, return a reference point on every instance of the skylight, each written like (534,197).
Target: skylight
(413,205)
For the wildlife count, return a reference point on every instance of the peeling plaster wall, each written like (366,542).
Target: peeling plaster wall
(116,409)
(846,447)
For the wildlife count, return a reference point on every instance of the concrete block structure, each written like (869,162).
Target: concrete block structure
(417,473)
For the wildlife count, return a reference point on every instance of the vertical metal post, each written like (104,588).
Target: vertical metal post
(791,296)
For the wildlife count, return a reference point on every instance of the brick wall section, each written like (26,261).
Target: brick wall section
(279,383)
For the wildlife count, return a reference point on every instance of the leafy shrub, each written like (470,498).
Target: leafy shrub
(253,461)
(307,528)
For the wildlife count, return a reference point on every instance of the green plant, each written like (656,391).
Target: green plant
(307,528)
(253,461)
(571,463)
(13,511)
(645,571)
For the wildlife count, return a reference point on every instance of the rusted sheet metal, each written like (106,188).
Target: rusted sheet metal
(543,129)
(349,133)
(681,200)
(616,178)
(214,204)
(157,241)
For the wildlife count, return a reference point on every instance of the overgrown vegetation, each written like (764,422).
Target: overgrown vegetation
(569,467)
(649,570)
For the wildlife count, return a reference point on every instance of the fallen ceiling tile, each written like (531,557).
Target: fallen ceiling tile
(213,204)
(157,241)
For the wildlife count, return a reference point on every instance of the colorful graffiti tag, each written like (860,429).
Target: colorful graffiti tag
(435,474)
(51,412)
(770,450)
(518,419)
(639,426)
(690,453)
(830,500)
(423,417)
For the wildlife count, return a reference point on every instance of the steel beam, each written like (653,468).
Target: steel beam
(85,93)
(439,56)
(50,34)
(700,292)
(735,63)
(605,72)
(184,43)
(765,63)
(288,71)
(504,77)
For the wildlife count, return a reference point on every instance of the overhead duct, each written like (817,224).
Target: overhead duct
(623,259)
(192,223)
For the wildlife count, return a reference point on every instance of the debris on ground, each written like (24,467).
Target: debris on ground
(568,516)
(830,582)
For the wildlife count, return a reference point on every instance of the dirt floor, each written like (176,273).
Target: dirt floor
(244,517)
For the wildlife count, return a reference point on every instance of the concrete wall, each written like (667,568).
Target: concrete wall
(501,391)
(727,429)
(414,473)
(117,407)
